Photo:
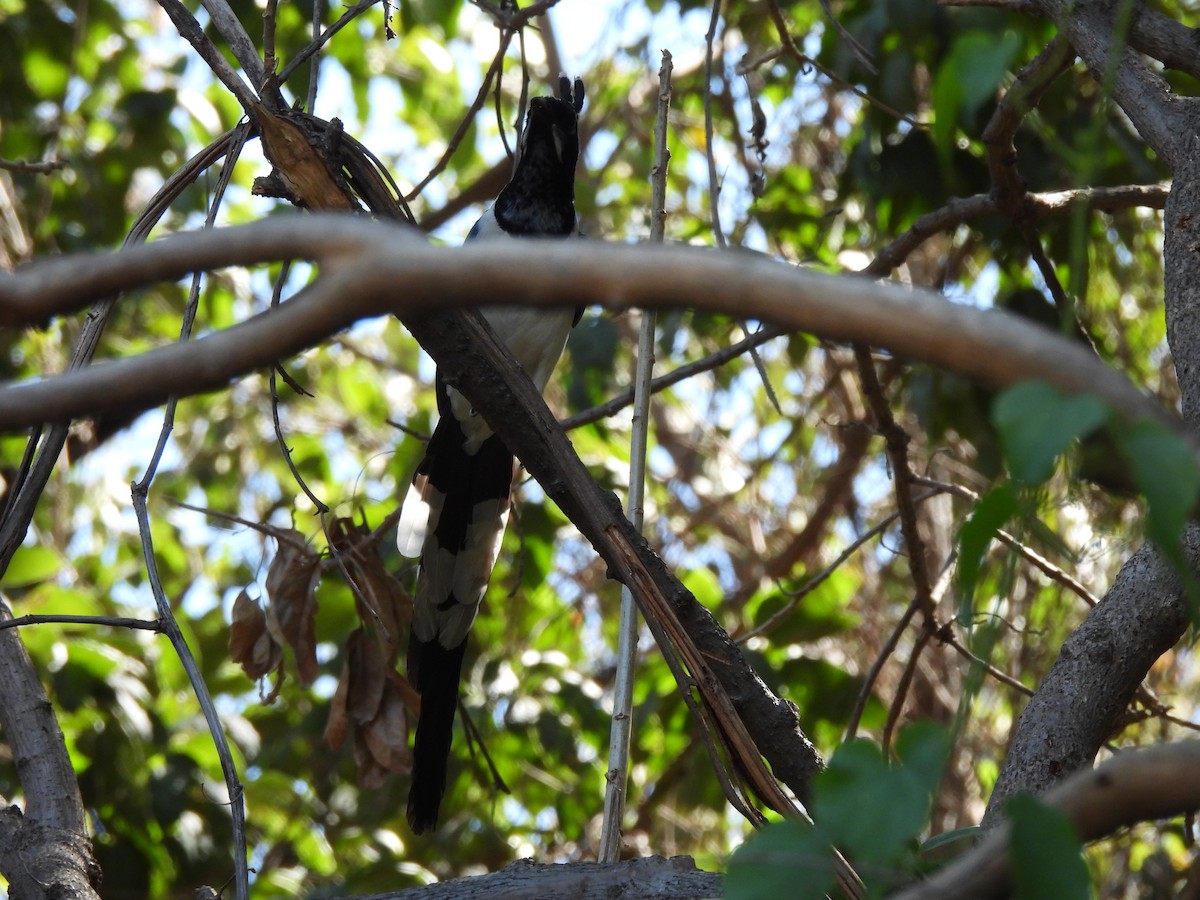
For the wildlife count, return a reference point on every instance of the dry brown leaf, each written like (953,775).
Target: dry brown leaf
(382,601)
(387,735)
(292,594)
(368,674)
(339,721)
(251,644)
(372,698)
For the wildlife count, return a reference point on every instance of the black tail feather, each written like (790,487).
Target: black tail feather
(434,671)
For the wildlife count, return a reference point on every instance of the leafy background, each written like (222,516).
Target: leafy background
(751,499)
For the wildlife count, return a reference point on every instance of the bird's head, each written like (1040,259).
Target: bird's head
(552,127)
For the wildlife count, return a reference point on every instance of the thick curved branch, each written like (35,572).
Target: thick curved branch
(1090,26)
(1100,666)
(374,269)
(1172,43)
(1136,786)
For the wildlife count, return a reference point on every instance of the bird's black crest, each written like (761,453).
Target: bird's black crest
(566,95)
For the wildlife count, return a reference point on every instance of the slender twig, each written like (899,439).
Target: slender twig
(47,444)
(23,167)
(714,187)
(1055,573)
(1049,569)
(493,71)
(316,501)
(885,653)
(229,26)
(805,60)
(929,629)
(815,581)
(270,16)
(280,534)
(475,743)
(196,678)
(662,382)
(340,561)
(960,210)
(189,29)
(1008,188)
(55,618)
(1018,101)
(617,777)
(896,441)
(169,626)
(314,46)
(947,637)
(314,69)
(903,685)
(859,51)
(411,432)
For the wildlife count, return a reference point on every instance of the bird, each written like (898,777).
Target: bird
(457,506)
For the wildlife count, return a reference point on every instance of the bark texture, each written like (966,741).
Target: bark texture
(1146,611)
(45,851)
(654,877)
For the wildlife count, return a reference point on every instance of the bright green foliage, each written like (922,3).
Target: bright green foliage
(868,809)
(1164,465)
(786,859)
(1037,423)
(991,513)
(1047,864)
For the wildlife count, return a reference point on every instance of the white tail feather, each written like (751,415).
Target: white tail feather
(418,516)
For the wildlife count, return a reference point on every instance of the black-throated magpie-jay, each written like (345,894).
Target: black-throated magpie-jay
(457,507)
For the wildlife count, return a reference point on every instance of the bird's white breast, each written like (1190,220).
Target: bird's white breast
(534,336)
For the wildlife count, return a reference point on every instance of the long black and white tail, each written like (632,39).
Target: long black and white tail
(454,518)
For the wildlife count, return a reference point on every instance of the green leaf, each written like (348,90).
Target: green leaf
(994,508)
(1046,852)
(704,586)
(858,776)
(1037,422)
(967,78)
(979,61)
(786,859)
(1165,471)
(30,565)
